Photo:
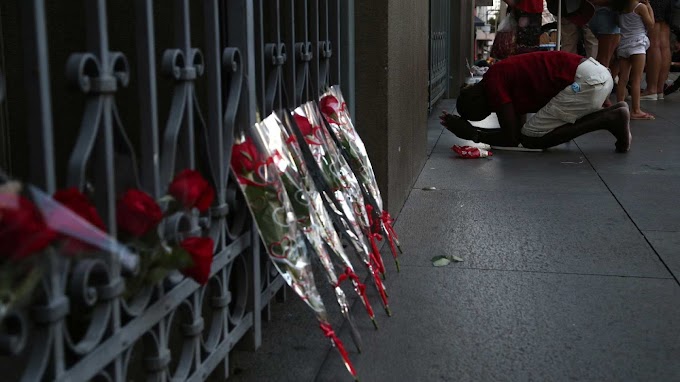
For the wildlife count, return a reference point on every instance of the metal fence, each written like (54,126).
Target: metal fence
(169,97)
(440,34)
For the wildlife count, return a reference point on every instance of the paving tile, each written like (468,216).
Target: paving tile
(667,245)
(472,325)
(663,111)
(649,154)
(529,231)
(553,171)
(293,346)
(651,200)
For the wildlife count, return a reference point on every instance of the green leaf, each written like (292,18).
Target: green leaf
(156,275)
(166,199)
(440,261)
(177,259)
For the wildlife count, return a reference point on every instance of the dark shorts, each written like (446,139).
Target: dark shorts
(604,21)
(663,10)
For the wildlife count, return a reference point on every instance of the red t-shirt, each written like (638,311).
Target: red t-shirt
(529,80)
(530,6)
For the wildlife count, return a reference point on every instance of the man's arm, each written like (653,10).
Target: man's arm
(510,124)
(507,135)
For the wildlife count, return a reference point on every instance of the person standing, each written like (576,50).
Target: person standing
(635,19)
(605,26)
(572,31)
(528,15)
(659,53)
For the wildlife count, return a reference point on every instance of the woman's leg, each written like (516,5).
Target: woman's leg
(624,74)
(653,62)
(637,65)
(606,46)
(663,31)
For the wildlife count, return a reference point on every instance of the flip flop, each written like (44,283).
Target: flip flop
(645,117)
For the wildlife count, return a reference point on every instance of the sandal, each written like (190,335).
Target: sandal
(644,117)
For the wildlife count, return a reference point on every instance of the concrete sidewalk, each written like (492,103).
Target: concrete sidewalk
(570,272)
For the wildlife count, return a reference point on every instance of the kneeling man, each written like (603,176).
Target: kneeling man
(566,91)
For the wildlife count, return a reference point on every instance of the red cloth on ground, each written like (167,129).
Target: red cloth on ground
(529,80)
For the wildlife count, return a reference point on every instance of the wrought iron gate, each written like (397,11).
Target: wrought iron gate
(169,96)
(440,32)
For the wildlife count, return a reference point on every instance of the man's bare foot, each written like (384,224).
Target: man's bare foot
(621,129)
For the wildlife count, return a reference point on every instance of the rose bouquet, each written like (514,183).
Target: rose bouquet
(35,225)
(336,180)
(23,236)
(339,122)
(166,239)
(267,198)
(312,217)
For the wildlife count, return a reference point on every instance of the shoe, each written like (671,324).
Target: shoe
(659,96)
(672,88)
(649,97)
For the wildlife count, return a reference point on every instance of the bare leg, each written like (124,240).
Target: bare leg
(653,62)
(637,62)
(663,33)
(624,75)
(607,43)
(615,119)
(614,63)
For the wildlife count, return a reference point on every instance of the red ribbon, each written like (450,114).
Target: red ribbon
(372,237)
(375,252)
(391,234)
(359,286)
(381,288)
(328,332)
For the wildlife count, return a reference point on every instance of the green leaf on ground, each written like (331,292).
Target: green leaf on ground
(442,261)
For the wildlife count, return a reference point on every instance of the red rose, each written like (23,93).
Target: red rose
(303,124)
(77,202)
(311,133)
(190,189)
(245,157)
(201,251)
(22,228)
(329,106)
(137,213)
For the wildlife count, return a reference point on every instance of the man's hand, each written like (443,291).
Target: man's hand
(458,126)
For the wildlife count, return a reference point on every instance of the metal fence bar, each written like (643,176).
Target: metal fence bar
(38,90)
(440,33)
(148,98)
(260,56)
